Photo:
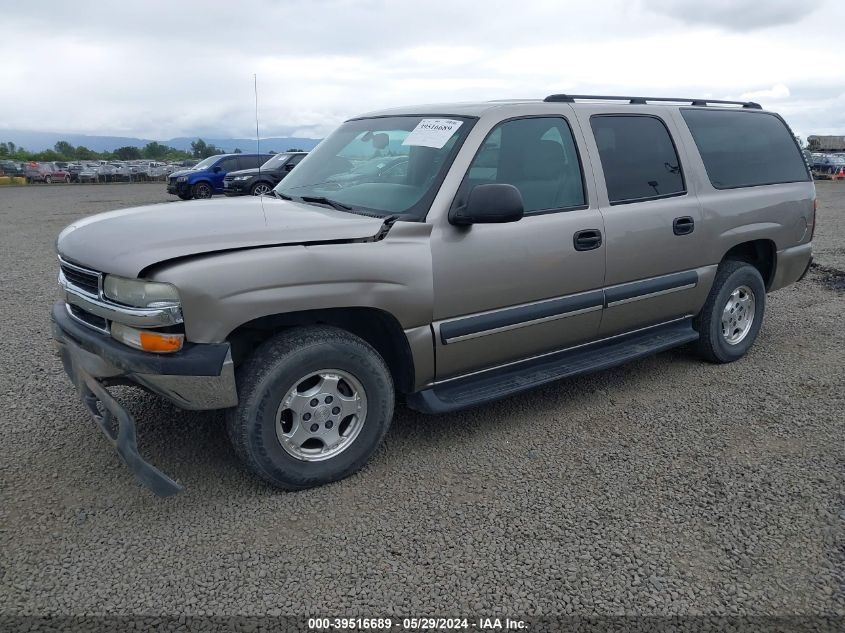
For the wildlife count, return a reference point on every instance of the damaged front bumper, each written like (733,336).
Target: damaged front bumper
(198,377)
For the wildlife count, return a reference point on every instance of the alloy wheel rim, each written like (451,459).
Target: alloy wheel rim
(321,415)
(203,192)
(260,190)
(738,315)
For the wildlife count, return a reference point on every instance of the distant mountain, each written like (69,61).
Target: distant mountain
(38,141)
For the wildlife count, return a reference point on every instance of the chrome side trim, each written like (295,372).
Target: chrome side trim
(557,351)
(650,295)
(516,326)
(135,317)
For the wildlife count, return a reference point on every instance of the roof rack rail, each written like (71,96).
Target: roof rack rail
(643,100)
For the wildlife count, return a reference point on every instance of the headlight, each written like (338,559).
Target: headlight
(241,177)
(140,293)
(181,179)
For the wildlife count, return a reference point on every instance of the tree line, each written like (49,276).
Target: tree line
(65,151)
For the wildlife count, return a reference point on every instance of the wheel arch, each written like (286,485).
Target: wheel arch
(377,327)
(760,253)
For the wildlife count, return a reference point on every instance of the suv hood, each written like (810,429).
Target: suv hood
(182,172)
(126,242)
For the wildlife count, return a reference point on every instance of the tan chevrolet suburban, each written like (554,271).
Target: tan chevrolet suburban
(455,253)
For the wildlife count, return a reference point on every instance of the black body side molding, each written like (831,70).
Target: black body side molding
(522,314)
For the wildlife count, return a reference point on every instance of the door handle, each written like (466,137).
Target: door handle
(683,225)
(587,239)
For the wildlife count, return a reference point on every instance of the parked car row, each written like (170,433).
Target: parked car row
(88,171)
(233,175)
(826,165)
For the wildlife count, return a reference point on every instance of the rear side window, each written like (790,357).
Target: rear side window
(745,149)
(229,164)
(537,155)
(638,158)
(250,162)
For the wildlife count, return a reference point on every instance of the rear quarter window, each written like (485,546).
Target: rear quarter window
(745,149)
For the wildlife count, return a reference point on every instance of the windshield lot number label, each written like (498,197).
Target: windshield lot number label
(432,132)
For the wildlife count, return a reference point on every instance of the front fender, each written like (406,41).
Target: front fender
(222,291)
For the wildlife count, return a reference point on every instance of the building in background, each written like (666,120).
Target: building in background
(826,143)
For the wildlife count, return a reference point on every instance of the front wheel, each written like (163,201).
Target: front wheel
(315,403)
(48,179)
(260,189)
(729,322)
(201,191)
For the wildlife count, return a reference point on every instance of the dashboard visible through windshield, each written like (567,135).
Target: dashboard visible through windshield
(382,166)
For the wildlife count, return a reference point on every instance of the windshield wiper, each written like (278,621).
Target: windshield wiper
(281,196)
(323,200)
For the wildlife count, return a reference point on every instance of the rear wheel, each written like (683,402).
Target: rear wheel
(201,190)
(731,319)
(260,189)
(315,403)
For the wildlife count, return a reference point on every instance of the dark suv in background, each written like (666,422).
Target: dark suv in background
(205,179)
(258,182)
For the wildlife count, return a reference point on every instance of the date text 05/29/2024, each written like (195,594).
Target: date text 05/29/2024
(421,623)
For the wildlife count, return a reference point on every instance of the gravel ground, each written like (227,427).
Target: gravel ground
(667,486)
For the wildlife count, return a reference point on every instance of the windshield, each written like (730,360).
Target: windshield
(206,162)
(276,161)
(385,165)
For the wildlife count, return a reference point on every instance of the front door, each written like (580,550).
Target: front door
(226,165)
(504,292)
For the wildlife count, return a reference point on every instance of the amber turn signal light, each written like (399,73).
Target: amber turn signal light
(148,340)
(162,343)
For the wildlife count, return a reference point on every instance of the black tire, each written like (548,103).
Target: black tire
(201,191)
(255,189)
(273,369)
(185,196)
(48,180)
(713,346)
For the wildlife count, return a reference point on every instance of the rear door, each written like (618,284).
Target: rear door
(653,222)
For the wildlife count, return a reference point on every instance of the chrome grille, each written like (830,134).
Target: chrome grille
(82,279)
(96,322)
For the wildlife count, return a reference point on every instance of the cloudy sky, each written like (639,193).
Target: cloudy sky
(160,69)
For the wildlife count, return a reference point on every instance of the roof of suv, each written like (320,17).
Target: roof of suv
(477,108)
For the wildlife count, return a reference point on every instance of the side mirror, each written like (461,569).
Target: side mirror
(492,203)
(217,169)
(288,167)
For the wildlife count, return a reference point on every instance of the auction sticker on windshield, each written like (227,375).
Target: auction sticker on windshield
(432,132)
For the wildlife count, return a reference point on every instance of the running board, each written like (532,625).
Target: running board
(495,384)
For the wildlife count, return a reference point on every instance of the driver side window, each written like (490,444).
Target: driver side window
(536,155)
